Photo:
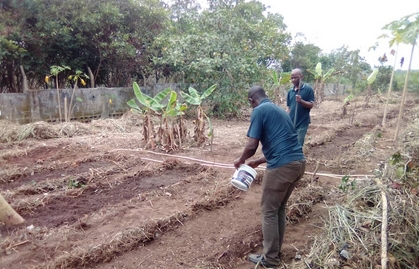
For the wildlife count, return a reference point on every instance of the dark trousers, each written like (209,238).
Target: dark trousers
(277,186)
(301,132)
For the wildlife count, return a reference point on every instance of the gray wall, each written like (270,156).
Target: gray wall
(334,89)
(42,105)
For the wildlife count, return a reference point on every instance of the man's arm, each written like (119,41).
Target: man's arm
(306,104)
(249,151)
(257,162)
(288,101)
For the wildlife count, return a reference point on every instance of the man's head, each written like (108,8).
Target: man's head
(256,94)
(296,77)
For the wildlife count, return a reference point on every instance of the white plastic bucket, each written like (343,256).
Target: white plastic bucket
(243,177)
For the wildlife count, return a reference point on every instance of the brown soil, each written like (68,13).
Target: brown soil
(97,199)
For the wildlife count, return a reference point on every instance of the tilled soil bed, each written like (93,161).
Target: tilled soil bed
(93,197)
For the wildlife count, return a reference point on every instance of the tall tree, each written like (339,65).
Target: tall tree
(228,46)
(184,13)
(113,38)
(11,46)
(303,56)
(350,64)
(217,4)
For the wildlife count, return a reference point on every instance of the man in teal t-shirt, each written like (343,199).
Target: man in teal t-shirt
(300,100)
(272,127)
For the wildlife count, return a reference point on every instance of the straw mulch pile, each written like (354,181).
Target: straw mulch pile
(10,132)
(379,218)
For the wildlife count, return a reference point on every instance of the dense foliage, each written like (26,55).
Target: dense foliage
(112,38)
(233,44)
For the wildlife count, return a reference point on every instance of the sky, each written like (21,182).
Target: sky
(330,24)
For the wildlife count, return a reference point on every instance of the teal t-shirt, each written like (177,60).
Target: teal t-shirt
(273,127)
(303,113)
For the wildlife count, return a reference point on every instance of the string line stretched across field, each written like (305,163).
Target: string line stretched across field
(224,165)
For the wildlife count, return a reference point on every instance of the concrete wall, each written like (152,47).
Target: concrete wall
(42,105)
(334,89)
(15,106)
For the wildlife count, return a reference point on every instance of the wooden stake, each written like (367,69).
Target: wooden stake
(8,215)
(384,223)
(65,110)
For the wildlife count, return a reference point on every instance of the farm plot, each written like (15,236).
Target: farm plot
(92,197)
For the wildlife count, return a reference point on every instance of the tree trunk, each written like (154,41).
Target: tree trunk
(389,88)
(318,96)
(321,90)
(8,215)
(406,81)
(368,96)
(11,77)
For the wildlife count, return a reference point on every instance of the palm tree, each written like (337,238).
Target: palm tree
(407,31)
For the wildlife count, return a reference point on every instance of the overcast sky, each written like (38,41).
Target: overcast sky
(329,24)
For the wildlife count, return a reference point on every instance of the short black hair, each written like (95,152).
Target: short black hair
(256,92)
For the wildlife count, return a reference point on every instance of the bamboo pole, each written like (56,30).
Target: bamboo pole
(384,258)
(58,98)
(384,224)
(92,78)
(8,215)
(65,110)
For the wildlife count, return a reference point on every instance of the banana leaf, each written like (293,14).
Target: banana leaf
(371,78)
(144,99)
(161,95)
(131,103)
(190,99)
(208,92)
(319,70)
(171,110)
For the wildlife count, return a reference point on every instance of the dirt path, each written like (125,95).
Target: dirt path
(98,201)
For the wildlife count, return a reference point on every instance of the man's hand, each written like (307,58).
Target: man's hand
(249,151)
(257,162)
(238,162)
(253,163)
(304,103)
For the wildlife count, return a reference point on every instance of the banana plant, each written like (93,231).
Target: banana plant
(320,79)
(278,81)
(372,77)
(370,80)
(173,127)
(194,98)
(151,106)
